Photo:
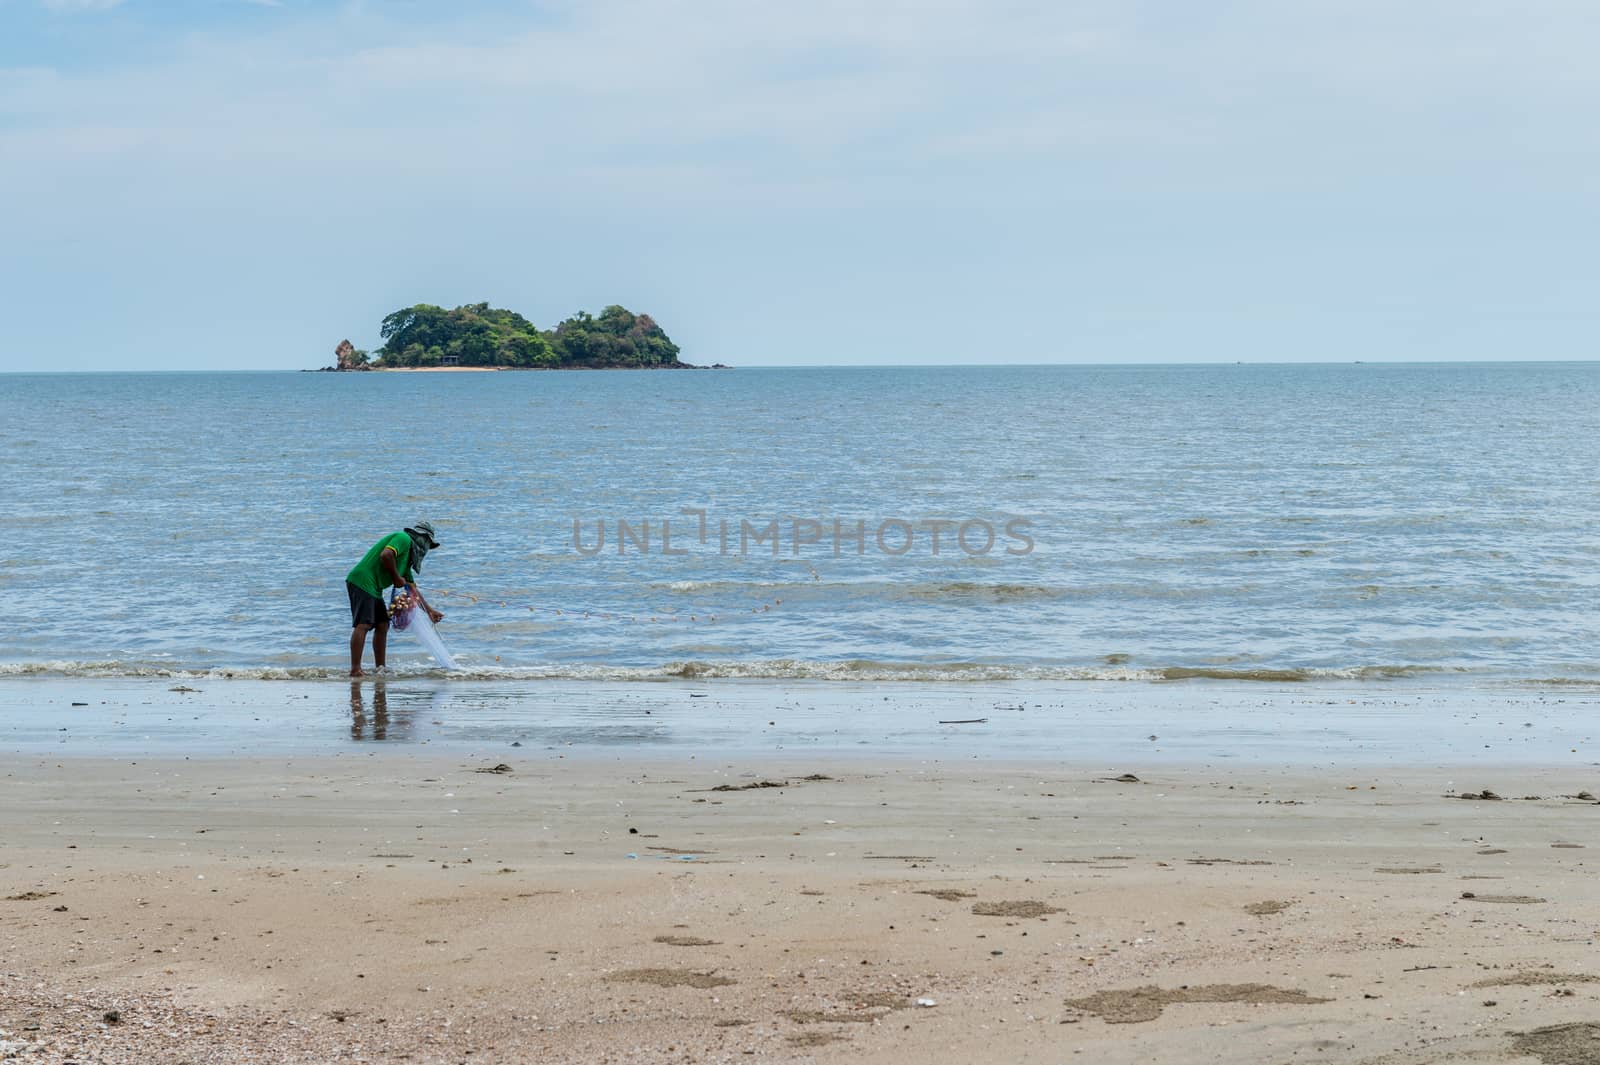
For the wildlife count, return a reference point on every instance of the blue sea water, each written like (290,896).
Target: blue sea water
(1282,522)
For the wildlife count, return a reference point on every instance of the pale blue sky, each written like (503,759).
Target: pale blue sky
(242,183)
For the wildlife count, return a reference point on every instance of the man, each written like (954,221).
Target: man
(390,563)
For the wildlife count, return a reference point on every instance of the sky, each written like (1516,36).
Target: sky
(191,184)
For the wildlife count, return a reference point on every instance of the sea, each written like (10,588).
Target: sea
(1363,523)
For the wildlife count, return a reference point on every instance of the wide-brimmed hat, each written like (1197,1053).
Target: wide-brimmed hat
(424,528)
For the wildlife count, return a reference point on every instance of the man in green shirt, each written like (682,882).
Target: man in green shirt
(392,562)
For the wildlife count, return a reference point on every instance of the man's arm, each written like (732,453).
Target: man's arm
(388,559)
(433,615)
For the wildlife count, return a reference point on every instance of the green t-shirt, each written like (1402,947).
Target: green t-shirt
(369,575)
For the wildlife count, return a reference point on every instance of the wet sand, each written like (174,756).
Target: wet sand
(1189,723)
(395,904)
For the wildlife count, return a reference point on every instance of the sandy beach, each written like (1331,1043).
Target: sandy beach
(435,369)
(397,904)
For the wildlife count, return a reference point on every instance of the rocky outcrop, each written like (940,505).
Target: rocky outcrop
(349,357)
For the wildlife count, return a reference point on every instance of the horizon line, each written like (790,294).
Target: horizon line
(886,366)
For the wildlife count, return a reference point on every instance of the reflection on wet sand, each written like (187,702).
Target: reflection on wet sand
(514,715)
(380,723)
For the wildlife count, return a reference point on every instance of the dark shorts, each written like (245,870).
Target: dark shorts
(366,609)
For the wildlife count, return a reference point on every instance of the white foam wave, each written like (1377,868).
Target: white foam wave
(860,670)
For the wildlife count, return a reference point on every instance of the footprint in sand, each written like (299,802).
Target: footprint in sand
(669,978)
(1018,908)
(1139,1004)
(872,1006)
(1270,906)
(1539,979)
(1561,1044)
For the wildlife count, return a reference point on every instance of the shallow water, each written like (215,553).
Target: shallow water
(1260,522)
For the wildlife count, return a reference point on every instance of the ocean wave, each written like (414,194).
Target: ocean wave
(871,670)
(135,670)
(996,593)
(1113,669)
(756,669)
(955,591)
(1303,675)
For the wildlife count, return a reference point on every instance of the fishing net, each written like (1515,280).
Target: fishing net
(407,615)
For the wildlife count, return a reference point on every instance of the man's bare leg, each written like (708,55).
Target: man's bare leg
(358,644)
(380,643)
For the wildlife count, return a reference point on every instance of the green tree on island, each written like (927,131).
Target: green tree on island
(617,338)
(479,335)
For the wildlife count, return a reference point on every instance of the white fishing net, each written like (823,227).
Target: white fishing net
(407,615)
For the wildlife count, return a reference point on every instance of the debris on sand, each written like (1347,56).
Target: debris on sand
(756,785)
(1268,907)
(948,894)
(676,852)
(30,896)
(686,941)
(1226,861)
(1125,778)
(1139,1004)
(1403,870)
(499,770)
(1523,899)
(1483,796)
(1017,908)
(1561,1044)
(670,978)
(814,1039)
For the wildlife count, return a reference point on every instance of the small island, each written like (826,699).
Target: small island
(478,336)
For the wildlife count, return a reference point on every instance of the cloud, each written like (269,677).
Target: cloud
(702,102)
(839,99)
(946,144)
